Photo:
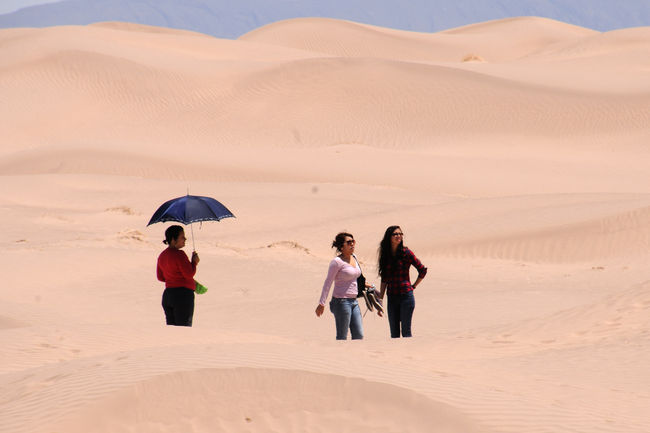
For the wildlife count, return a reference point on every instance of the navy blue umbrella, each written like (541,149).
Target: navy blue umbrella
(190,209)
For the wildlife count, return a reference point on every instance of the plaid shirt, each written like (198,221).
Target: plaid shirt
(397,273)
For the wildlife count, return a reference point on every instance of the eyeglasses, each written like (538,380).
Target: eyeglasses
(350,242)
(397,234)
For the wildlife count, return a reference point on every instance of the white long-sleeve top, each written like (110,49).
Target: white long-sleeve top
(344,276)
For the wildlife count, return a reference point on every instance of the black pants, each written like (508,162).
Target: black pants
(178,303)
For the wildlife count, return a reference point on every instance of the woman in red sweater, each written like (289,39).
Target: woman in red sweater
(177,272)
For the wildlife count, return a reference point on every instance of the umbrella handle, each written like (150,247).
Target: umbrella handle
(191,228)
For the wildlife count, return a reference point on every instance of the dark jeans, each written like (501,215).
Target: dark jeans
(178,303)
(400,311)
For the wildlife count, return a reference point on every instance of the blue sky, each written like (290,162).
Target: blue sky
(233,18)
(7,6)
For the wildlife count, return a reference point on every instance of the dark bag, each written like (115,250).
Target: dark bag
(369,295)
(361,281)
(361,285)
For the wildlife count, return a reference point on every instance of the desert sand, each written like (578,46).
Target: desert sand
(513,154)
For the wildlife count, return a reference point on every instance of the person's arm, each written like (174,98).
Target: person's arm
(159,273)
(187,268)
(382,289)
(331,274)
(422,270)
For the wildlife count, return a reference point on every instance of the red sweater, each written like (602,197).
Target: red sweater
(175,269)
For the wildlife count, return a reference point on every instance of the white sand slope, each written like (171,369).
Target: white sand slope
(513,154)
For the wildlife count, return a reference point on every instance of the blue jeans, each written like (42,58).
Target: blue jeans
(400,311)
(347,314)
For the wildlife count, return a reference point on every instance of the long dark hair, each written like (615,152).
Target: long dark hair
(172,233)
(385,254)
(340,239)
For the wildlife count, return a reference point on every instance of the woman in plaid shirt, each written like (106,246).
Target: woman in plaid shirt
(394,263)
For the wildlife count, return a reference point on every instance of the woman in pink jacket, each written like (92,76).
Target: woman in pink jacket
(343,272)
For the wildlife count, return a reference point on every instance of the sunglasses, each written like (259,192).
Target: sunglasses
(350,242)
(397,234)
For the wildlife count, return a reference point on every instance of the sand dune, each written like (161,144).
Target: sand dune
(499,40)
(524,27)
(625,40)
(584,63)
(287,103)
(330,37)
(135,27)
(295,401)
(520,178)
(619,317)
(553,228)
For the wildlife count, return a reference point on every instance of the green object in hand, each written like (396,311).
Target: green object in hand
(200,288)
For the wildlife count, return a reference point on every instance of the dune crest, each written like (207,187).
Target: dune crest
(524,26)
(634,41)
(134,27)
(498,40)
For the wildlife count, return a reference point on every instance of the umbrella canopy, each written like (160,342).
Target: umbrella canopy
(190,209)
